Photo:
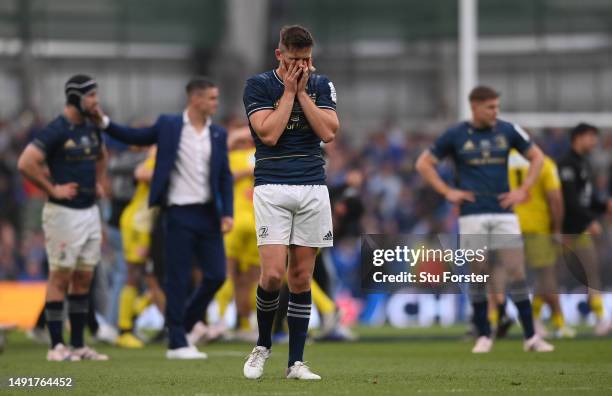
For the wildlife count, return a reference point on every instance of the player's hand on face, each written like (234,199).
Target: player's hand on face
(311,68)
(65,191)
(303,82)
(292,76)
(459,196)
(227,223)
(511,198)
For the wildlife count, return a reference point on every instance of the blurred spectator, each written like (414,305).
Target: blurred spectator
(8,195)
(9,256)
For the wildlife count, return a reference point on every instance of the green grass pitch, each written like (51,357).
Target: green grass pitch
(386,362)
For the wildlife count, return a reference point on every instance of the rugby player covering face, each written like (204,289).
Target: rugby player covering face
(291,111)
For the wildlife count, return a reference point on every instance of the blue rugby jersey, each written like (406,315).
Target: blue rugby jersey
(71,153)
(297,157)
(481,161)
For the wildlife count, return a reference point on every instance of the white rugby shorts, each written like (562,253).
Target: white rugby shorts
(493,230)
(293,215)
(73,237)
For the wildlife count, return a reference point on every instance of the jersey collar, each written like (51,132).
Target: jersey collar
(278,77)
(471,127)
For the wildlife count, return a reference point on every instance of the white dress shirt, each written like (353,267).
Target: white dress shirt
(189,180)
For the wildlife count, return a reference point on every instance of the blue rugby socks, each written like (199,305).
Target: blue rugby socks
(267,304)
(78,308)
(298,316)
(54,311)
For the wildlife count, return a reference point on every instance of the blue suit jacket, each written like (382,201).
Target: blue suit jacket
(166,134)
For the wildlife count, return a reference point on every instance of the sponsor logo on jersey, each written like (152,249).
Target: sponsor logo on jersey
(332,91)
(469,146)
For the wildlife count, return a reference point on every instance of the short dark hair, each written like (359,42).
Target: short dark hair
(295,37)
(582,129)
(199,82)
(482,93)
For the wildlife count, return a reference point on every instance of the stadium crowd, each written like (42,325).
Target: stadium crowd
(373,186)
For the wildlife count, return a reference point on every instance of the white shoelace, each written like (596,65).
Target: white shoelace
(256,358)
(301,366)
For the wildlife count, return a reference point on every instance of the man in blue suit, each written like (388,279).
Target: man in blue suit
(193,185)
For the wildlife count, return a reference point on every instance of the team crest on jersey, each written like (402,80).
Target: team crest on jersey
(501,142)
(69,144)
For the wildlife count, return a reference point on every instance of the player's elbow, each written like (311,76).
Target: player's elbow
(329,134)
(23,164)
(328,138)
(268,140)
(536,156)
(333,130)
(422,163)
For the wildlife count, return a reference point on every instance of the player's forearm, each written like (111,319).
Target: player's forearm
(536,161)
(273,126)
(323,123)
(101,166)
(35,173)
(427,169)
(432,177)
(134,136)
